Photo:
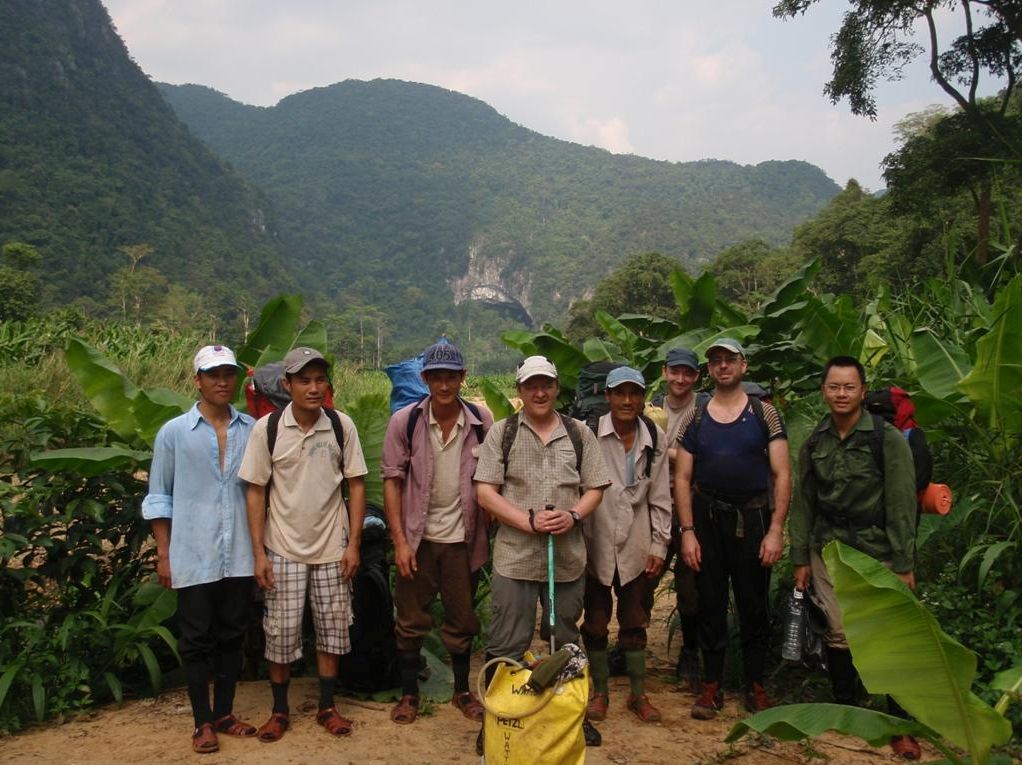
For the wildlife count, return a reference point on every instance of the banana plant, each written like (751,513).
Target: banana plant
(899,649)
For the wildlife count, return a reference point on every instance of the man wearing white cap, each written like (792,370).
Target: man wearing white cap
(734,453)
(539,474)
(626,540)
(306,543)
(196,505)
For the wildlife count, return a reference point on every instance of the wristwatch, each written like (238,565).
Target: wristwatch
(687,528)
(575,517)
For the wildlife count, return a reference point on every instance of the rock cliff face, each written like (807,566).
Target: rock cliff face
(491,280)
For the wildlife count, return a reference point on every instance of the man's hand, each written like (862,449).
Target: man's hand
(770,548)
(349,562)
(691,553)
(163,570)
(263,572)
(554,522)
(908,578)
(404,559)
(803,575)
(654,565)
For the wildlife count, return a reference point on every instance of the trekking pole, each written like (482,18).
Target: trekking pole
(550,582)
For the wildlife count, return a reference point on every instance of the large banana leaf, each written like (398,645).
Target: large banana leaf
(106,387)
(153,407)
(995,383)
(277,326)
(90,461)
(899,649)
(497,402)
(795,722)
(370,413)
(831,329)
(940,366)
(623,336)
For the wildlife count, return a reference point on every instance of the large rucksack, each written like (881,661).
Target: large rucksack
(265,392)
(372,664)
(895,406)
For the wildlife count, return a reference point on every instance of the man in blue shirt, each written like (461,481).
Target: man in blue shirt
(196,505)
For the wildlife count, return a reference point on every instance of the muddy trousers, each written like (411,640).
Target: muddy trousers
(212,618)
(729,538)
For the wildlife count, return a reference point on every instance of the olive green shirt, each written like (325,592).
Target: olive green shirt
(843,494)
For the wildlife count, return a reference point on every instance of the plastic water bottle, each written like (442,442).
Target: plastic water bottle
(791,648)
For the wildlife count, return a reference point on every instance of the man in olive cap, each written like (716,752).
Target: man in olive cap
(306,542)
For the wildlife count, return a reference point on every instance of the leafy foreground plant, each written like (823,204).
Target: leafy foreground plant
(900,650)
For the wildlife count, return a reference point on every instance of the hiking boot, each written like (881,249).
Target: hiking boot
(906,747)
(597,709)
(643,709)
(687,669)
(756,699)
(591,735)
(709,702)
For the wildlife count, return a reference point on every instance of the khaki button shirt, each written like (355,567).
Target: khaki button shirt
(539,474)
(633,521)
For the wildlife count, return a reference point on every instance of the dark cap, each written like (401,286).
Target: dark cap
(298,358)
(682,357)
(443,356)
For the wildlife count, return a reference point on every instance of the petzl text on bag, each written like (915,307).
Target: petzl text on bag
(534,728)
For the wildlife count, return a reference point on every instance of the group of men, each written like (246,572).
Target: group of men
(231,499)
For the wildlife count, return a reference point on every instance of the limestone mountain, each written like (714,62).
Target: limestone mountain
(411,196)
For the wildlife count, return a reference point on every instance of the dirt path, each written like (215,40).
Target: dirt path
(157,731)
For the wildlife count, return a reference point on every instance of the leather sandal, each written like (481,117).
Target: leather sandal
(597,709)
(274,728)
(405,711)
(232,726)
(335,724)
(204,740)
(643,709)
(469,705)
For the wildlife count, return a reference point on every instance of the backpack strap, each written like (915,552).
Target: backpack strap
(413,420)
(876,441)
(570,426)
(650,450)
(273,424)
(757,409)
(702,401)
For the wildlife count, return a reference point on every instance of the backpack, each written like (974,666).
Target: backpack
(413,419)
(372,664)
(895,406)
(406,383)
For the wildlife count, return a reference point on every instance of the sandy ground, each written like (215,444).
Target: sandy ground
(158,731)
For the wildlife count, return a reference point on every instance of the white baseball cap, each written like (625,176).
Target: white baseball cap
(535,366)
(213,356)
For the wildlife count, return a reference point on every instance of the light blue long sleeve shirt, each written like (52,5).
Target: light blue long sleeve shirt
(209,538)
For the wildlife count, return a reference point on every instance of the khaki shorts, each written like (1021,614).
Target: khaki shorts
(284,606)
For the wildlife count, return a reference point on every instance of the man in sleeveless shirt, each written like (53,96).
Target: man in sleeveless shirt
(734,452)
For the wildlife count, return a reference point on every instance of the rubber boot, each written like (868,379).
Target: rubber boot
(844,678)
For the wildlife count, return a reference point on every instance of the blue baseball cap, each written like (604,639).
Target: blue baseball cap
(443,356)
(682,357)
(623,375)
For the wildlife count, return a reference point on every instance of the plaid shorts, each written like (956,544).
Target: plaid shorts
(284,606)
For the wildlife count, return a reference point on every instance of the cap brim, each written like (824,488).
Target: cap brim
(446,367)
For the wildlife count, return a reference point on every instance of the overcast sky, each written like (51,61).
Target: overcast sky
(668,79)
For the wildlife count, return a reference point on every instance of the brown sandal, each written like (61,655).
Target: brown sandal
(232,726)
(204,739)
(335,724)
(406,710)
(274,728)
(469,705)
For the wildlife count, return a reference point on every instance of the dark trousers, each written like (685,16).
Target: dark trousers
(632,614)
(730,555)
(444,569)
(212,618)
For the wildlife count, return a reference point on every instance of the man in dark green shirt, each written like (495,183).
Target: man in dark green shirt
(844,494)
